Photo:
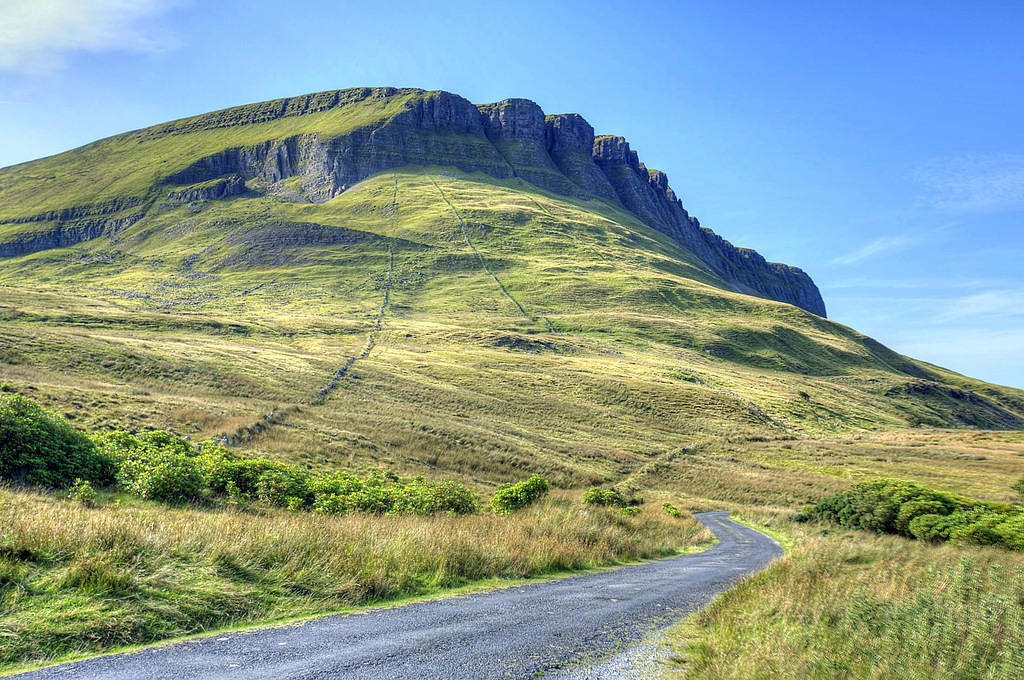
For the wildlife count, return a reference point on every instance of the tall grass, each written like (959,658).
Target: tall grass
(78,580)
(867,607)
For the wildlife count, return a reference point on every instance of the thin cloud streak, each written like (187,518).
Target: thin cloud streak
(1000,303)
(881,245)
(37,36)
(974,184)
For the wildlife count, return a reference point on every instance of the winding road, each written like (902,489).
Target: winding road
(578,627)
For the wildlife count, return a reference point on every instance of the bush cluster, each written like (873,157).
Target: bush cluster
(595,495)
(511,497)
(906,509)
(41,448)
(160,466)
(671,510)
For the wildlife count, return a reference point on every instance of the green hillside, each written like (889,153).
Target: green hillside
(427,317)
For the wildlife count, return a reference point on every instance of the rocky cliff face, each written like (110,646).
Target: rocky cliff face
(511,138)
(648,195)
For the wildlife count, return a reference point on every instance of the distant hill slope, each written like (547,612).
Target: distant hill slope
(399,277)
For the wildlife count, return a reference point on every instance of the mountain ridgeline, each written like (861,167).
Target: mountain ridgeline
(314,147)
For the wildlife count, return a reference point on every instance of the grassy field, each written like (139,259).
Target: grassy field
(77,580)
(496,354)
(853,605)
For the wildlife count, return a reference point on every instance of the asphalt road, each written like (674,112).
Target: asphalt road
(579,627)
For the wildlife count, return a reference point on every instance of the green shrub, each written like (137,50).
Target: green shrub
(284,486)
(41,447)
(671,510)
(931,528)
(428,498)
(384,493)
(220,469)
(595,495)
(897,507)
(1011,531)
(82,492)
(630,510)
(154,465)
(511,497)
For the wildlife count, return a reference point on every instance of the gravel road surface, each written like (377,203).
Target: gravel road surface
(588,626)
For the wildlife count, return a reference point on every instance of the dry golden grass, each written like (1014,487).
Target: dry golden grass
(77,580)
(853,605)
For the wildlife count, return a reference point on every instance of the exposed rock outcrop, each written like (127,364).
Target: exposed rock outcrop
(570,142)
(65,235)
(648,195)
(518,130)
(209,191)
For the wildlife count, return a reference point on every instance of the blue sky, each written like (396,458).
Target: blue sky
(877,145)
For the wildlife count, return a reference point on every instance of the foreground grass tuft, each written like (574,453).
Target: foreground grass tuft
(867,607)
(77,580)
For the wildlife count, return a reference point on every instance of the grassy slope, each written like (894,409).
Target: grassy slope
(133,164)
(603,347)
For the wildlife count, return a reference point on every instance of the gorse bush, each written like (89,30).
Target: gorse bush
(161,466)
(906,509)
(40,447)
(511,497)
(595,495)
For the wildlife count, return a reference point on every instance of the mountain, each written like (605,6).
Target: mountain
(327,142)
(400,277)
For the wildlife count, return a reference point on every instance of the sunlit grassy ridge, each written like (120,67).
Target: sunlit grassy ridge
(133,165)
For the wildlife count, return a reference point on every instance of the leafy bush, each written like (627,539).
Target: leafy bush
(40,447)
(385,493)
(285,486)
(595,495)
(82,492)
(427,498)
(630,510)
(154,465)
(906,509)
(511,497)
(671,510)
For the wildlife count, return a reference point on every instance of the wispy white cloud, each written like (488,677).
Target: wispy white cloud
(971,184)
(37,35)
(990,354)
(922,283)
(999,303)
(881,245)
